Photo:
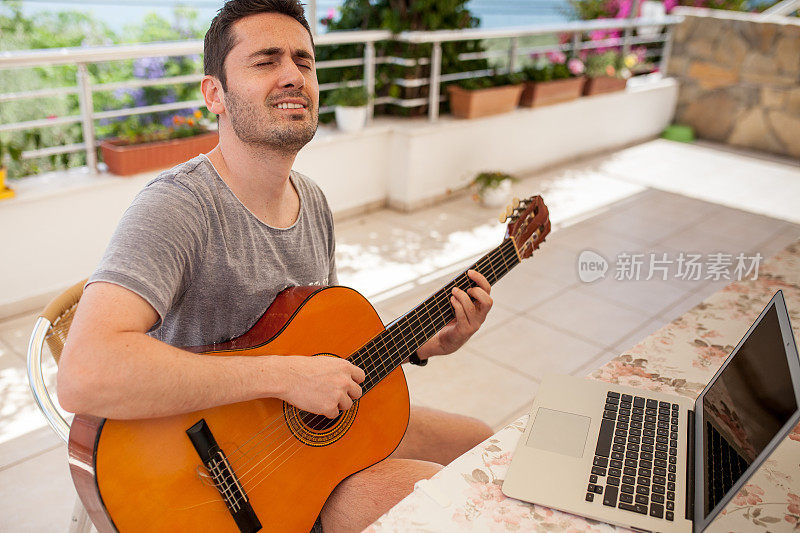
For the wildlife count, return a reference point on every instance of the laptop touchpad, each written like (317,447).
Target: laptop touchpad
(559,432)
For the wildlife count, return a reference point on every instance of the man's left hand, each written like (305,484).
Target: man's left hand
(470,314)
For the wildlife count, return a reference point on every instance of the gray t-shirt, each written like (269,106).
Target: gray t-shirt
(208,266)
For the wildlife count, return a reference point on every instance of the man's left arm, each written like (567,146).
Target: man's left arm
(471,307)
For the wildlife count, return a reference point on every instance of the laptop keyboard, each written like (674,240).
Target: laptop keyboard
(725,465)
(635,460)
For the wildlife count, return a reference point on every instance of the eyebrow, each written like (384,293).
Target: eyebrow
(276,51)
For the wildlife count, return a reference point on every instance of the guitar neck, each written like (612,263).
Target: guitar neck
(404,336)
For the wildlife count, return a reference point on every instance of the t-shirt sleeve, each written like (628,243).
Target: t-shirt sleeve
(333,277)
(157,244)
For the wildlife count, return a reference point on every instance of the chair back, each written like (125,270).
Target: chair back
(59,313)
(52,326)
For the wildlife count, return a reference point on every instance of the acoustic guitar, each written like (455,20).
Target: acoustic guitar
(264,464)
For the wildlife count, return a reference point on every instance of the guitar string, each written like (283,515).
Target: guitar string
(438,298)
(370,367)
(457,282)
(298,448)
(356,354)
(427,310)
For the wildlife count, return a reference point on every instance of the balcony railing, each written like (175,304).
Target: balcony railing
(85,88)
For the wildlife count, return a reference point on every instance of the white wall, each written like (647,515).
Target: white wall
(55,230)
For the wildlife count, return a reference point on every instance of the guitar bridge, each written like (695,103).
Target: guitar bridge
(223,476)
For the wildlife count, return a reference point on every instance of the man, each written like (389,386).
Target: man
(208,244)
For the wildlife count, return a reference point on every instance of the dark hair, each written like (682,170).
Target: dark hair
(220,40)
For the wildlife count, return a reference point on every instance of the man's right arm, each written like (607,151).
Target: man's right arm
(111,368)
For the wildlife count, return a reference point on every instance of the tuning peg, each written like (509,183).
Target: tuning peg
(507,213)
(515,202)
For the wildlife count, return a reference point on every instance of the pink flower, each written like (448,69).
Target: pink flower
(556,57)
(575,66)
(669,5)
(641,54)
(331,13)
(795,435)
(602,35)
(752,499)
(624,9)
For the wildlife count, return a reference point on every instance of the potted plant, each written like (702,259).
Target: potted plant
(141,148)
(552,80)
(8,151)
(608,72)
(493,188)
(480,97)
(350,108)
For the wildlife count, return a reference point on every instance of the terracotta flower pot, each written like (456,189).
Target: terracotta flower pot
(604,84)
(483,102)
(539,93)
(125,160)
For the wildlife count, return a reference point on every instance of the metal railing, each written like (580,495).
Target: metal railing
(785,8)
(85,88)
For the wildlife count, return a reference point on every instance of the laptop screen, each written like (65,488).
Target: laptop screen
(745,407)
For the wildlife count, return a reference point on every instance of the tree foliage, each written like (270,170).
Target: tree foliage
(76,29)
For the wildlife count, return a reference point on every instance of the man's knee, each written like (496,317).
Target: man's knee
(363,497)
(482,431)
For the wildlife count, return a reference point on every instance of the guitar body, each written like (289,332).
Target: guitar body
(146,475)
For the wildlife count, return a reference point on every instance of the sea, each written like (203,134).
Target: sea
(119,13)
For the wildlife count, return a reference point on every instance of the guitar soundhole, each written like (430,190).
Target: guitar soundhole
(318,422)
(318,430)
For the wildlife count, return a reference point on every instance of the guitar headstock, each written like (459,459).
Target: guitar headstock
(530,224)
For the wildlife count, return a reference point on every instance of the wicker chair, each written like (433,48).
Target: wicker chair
(52,327)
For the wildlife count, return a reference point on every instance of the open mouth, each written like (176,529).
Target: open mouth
(289,106)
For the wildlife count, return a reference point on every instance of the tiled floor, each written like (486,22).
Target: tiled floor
(657,197)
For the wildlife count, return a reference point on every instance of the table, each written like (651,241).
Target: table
(679,358)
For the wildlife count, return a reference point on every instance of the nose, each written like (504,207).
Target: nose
(291,76)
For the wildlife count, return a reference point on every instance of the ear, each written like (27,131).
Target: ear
(213,94)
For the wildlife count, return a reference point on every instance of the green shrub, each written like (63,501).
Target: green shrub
(491,179)
(348,97)
(498,80)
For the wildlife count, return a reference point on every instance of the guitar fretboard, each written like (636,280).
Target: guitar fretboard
(387,350)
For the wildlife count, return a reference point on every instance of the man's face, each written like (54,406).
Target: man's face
(273,94)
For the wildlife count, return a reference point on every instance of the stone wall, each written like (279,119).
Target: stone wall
(739,76)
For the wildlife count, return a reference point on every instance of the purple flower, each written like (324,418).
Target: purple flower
(169,97)
(149,67)
(138,96)
(575,66)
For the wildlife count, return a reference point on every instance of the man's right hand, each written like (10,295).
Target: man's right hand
(321,385)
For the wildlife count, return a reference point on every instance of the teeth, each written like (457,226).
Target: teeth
(285,105)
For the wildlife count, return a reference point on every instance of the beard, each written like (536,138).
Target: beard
(252,124)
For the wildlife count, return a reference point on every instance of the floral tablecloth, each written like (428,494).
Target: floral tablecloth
(679,358)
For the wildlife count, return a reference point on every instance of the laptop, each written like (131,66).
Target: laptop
(651,461)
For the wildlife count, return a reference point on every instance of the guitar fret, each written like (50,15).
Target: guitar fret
(387,350)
